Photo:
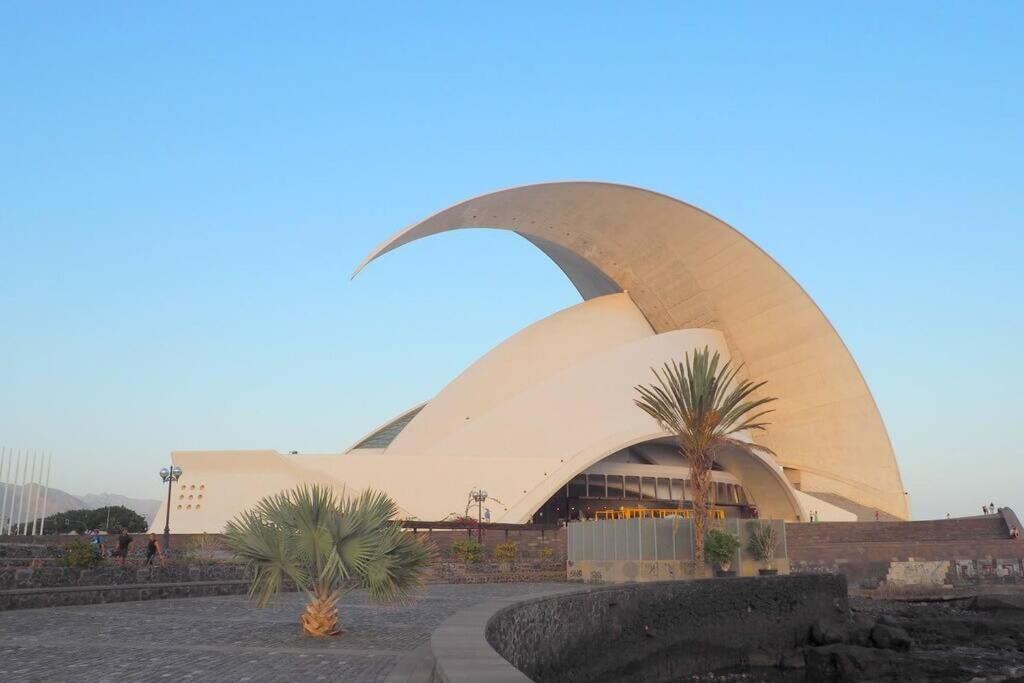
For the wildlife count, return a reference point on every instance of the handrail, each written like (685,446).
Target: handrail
(654,513)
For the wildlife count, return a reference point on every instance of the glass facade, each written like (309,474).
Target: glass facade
(630,487)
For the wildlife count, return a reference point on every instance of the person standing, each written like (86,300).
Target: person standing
(153,549)
(123,541)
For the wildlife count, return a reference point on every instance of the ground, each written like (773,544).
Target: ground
(224,638)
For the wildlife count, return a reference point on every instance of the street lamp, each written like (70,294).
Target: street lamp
(480,496)
(169,475)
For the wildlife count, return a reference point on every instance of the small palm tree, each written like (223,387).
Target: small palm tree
(327,545)
(704,406)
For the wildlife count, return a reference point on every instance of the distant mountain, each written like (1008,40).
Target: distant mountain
(144,506)
(62,501)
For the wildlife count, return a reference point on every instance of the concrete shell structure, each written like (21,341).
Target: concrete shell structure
(659,278)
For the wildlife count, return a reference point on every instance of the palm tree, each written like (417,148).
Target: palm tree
(699,403)
(327,545)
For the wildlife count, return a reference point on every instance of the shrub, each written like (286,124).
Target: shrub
(547,552)
(200,550)
(720,547)
(468,551)
(506,552)
(763,541)
(82,555)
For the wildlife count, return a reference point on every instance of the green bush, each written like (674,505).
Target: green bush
(468,551)
(82,555)
(720,547)
(200,550)
(763,541)
(547,552)
(506,552)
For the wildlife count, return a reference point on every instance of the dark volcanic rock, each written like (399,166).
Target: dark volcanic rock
(891,637)
(827,633)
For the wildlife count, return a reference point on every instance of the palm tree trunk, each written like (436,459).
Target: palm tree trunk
(321,616)
(700,473)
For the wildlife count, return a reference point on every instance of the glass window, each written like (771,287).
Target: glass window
(664,490)
(632,487)
(578,486)
(595,486)
(648,489)
(742,495)
(615,486)
(689,489)
(677,489)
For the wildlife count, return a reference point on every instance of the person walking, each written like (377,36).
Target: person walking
(153,549)
(123,541)
(984,509)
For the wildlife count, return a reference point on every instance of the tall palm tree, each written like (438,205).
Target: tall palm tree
(704,406)
(327,545)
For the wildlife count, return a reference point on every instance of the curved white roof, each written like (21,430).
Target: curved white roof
(685,269)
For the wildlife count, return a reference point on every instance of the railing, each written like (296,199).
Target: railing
(654,513)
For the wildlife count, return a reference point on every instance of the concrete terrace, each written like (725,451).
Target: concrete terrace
(226,638)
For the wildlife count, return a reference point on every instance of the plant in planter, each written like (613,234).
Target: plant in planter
(506,554)
(762,544)
(469,552)
(720,548)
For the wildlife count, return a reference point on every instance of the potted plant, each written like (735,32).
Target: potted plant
(761,544)
(720,548)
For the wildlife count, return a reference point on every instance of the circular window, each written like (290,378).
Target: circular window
(200,496)
(188,507)
(181,497)
(179,507)
(202,486)
(193,486)
(197,507)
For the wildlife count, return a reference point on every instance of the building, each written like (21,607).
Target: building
(545,421)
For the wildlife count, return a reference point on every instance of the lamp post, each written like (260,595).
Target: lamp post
(169,475)
(479,495)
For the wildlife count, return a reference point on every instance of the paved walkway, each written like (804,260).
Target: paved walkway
(224,638)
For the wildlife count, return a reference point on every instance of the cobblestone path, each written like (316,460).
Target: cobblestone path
(224,638)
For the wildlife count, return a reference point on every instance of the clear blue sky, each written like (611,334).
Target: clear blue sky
(186,188)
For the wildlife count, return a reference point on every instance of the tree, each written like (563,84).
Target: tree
(705,407)
(81,521)
(326,545)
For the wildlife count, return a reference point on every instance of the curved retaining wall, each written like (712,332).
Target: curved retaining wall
(652,632)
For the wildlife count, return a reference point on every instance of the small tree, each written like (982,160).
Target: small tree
(705,407)
(721,547)
(327,545)
(762,542)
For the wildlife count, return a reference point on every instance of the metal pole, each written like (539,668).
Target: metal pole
(46,493)
(21,493)
(9,511)
(479,520)
(4,460)
(27,510)
(167,521)
(35,507)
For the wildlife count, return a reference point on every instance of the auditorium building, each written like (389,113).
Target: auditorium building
(545,421)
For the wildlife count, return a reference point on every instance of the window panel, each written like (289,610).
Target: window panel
(664,490)
(578,486)
(595,486)
(632,487)
(677,489)
(647,488)
(615,486)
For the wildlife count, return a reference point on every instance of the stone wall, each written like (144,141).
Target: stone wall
(112,574)
(662,631)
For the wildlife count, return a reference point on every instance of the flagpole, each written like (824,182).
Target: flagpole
(7,512)
(26,508)
(21,492)
(4,460)
(46,492)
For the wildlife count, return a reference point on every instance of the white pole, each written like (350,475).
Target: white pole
(33,496)
(21,491)
(46,492)
(26,508)
(13,474)
(3,481)
(35,507)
